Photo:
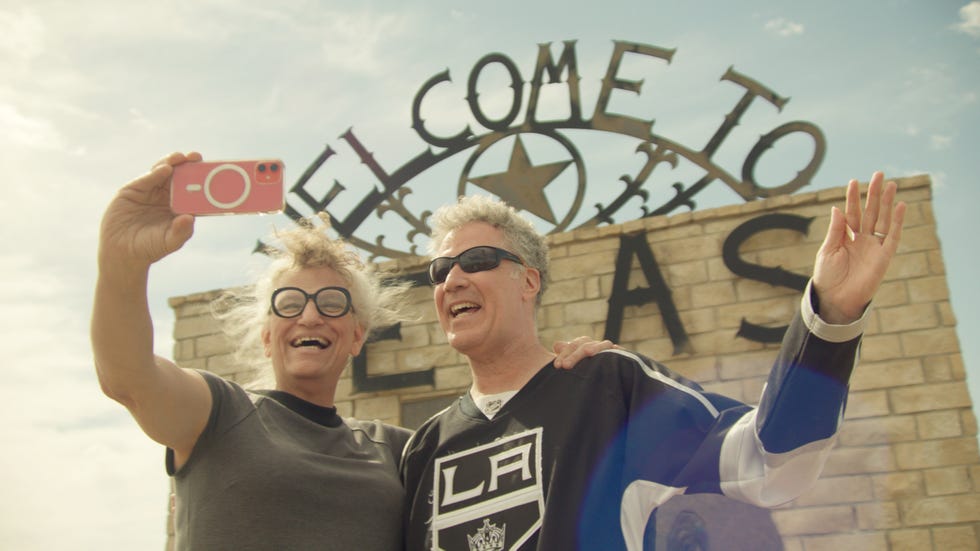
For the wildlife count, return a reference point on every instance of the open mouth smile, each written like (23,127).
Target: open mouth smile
(463,308)
(315,342)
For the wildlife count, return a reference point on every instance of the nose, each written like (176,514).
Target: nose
(310,315)
(455,278)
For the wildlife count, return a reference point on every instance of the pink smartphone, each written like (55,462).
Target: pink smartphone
(227,187)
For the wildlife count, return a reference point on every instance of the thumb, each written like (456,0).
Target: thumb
(180,231)
(837,232)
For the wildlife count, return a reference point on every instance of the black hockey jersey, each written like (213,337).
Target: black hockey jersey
(580,458)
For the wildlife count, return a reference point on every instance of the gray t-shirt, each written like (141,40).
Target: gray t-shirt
(264,476)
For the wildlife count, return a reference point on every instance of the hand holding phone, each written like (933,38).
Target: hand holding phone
(228,187)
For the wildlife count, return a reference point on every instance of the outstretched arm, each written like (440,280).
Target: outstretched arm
(859,246)
(138,229)
(793,429)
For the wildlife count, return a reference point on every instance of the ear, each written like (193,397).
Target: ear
(267,341)
(359,337)
(532,283)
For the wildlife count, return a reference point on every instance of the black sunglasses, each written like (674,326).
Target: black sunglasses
(477,259)
(289,302)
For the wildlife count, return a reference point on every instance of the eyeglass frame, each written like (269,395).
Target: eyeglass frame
(499,255)
(308,297)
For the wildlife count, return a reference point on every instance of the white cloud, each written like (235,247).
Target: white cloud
(969,19)
(784,27)
(139,120)
(25,131)
(917,100)
(23,34)
(355,41)
(461,16)
(938,142)
(77,451)
(81,470)
(939,178)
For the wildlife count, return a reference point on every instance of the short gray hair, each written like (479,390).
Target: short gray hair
(519,234)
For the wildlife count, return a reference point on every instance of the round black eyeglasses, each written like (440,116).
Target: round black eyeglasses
(476,259)
(289,302)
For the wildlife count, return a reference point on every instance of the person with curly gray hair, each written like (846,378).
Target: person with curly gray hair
(254,469)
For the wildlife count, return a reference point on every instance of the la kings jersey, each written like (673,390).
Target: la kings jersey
(580,458)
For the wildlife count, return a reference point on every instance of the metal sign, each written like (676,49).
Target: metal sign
(521,183)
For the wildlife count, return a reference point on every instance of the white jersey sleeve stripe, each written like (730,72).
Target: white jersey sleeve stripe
(654,374)
(748,473)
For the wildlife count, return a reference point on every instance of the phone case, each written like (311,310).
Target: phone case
(228,187)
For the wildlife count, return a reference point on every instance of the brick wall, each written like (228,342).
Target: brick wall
(906,472)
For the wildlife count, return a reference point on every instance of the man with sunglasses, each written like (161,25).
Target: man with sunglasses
(538,458)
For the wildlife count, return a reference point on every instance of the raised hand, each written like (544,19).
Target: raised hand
(859,246)
(138,227)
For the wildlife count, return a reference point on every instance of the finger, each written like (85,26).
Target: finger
(177,158)
(563,346)
(561,350)
(837,231)
(159,175)
(191,157)
(872,205)
(569,346)
(169,159)
(593,347)
(884,221)
(559,347)
(894,236)
(852,206)
(155,178)
(588,349)
(579,349)
(569,358)
(181,229)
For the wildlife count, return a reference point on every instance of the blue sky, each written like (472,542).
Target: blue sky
(95,92)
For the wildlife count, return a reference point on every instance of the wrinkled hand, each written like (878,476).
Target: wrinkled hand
(138,227)
(571,352)
(854,256)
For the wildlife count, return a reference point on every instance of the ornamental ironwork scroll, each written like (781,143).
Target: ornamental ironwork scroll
(522,183)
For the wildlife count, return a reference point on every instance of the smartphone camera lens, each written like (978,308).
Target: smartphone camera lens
(274,167)
(262,167)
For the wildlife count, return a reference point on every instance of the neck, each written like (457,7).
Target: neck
(509,370)
(315,391)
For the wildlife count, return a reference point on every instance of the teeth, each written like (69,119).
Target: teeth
(456,309)
(310,341)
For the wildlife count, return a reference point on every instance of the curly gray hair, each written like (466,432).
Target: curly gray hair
(244,312)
